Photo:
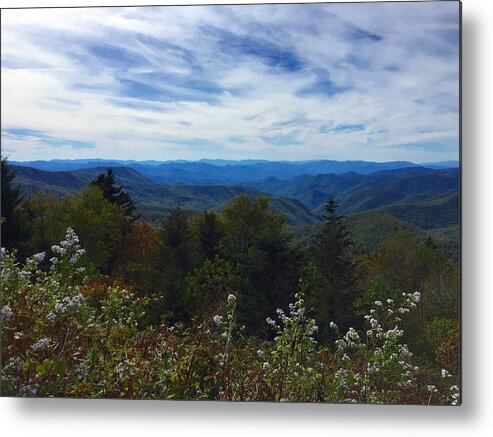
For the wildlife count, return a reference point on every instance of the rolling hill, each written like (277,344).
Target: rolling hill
(152,198)
(357,193)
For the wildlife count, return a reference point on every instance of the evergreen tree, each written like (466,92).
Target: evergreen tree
(263,254)
(115,194)
(209,233)
(334,295)
(12,217)
(175,260)
(271,269)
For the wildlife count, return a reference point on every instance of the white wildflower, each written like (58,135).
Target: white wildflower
(231,299)
(41,344)
(39,257)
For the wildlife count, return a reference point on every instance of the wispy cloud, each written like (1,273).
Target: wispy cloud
(344,81)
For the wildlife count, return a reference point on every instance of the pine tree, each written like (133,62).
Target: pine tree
(209,234)
(264,256)
(175,260)
(115,194)
(334,295)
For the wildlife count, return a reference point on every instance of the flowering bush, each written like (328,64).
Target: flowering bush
(53,338)
(378,367)
(291,363)
(64,334)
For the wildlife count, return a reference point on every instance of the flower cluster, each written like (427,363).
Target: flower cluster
(42,344)
(68,248)
(6,313)
(39,257)
(67,304)
(291,366)
(388,365)
(453,395)
(350,340)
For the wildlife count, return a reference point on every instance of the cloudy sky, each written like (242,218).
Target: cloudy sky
(284,82)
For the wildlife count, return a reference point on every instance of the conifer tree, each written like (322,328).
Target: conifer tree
(175,260)
(210,234)
(115,194)
(334,296)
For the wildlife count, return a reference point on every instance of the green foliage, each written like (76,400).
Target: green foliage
(175,259)
(180,311)
(442,340)
(405,264)
(13,219)
(56,343)
(371,230)
(379,370)
(271,269)
(209,233)
(379,290)
(136,262)
(99,223)
(243,220)
(428,213)
(209,286)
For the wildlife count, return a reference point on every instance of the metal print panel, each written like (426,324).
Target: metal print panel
(238,203)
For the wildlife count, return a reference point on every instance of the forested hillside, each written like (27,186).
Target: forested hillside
(424,201)
(152,198)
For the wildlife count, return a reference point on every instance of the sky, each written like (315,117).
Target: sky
(376,82)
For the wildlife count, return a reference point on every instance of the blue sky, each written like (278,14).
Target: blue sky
(283,82)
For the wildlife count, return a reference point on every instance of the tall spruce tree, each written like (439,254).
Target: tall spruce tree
(264,256)
(175,260)
(209,233)
(115,194)
(334,295)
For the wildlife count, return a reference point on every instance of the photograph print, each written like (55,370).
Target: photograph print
(233,202)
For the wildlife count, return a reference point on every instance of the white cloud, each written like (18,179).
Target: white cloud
(171,83)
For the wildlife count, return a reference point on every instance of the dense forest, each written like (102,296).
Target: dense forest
(312,289)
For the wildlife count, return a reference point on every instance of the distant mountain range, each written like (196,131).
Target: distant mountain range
(222,172)
(375,196)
